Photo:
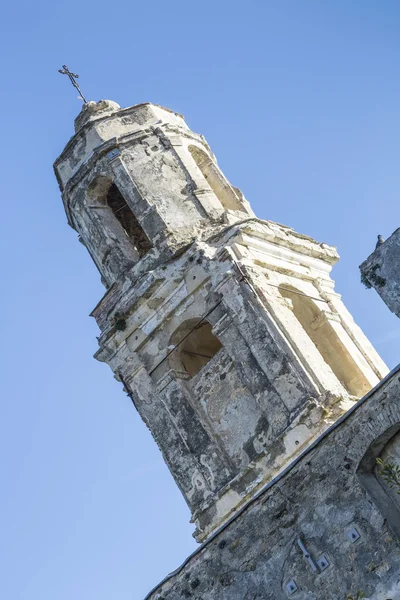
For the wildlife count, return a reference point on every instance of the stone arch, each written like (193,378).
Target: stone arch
(216,180)
(195,345)
(385,446)
(104,193)
(322,333)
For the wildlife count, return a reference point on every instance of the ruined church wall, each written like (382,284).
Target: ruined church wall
(320,500)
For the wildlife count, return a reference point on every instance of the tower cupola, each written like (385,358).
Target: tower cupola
(137,180)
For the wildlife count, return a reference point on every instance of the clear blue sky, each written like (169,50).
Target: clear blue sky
(300,103)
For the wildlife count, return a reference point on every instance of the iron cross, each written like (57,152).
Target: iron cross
(72,78)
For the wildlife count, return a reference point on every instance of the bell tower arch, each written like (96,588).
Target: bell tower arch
(224,328)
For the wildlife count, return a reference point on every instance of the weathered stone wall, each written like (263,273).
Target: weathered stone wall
(381,271)
(322,501)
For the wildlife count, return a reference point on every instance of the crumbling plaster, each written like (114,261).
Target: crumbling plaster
(267,392)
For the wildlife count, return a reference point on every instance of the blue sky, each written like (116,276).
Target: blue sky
(300,103)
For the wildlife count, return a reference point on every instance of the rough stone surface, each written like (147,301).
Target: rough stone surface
(236,350)
(321,500)
(381,271)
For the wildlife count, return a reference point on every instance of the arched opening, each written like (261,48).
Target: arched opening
(127,219)
(387,471)
(215,179)
(195,346)
(378,472)
(319,329)
(106,193)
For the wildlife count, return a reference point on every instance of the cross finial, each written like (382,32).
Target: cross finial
(72,78)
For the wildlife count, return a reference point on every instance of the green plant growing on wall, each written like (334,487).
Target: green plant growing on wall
(390,473)
(359,595)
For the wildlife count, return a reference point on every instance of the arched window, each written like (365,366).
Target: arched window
(195,346)
(386,470)
(319,329)
(106,194)
(378,474)
(127,219)
(215,179)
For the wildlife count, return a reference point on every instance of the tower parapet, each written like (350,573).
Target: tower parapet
(225,328)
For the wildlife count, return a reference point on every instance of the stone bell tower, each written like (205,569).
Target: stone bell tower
(224,328)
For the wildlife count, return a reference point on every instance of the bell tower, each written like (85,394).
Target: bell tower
(224,328)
